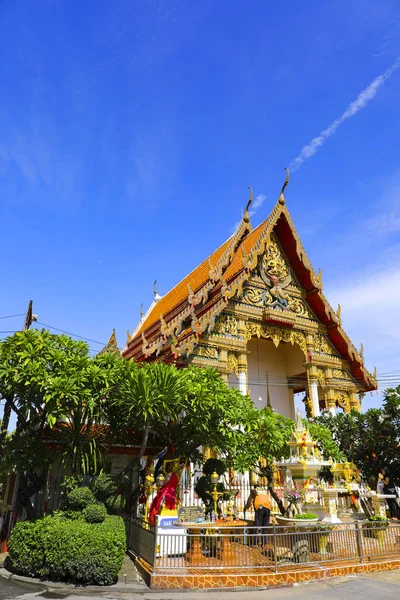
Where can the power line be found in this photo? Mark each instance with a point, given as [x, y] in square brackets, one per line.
[73, 334]
[12, 316]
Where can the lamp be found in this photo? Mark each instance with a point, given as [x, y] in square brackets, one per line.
[214, 478]
[214, 494]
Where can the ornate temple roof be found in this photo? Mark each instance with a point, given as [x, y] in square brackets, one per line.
[172, 327]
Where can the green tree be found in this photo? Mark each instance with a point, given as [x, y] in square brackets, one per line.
[371, 439]
[51, 382]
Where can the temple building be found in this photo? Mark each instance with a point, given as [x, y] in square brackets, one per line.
[255, 310]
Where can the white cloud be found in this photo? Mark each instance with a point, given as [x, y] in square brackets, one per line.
[370, 316]
[258, 202]
[362, 100]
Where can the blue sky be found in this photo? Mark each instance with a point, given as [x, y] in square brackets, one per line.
[131, 130]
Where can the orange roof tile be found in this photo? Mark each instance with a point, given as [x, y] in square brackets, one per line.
[174, 297]
[247, 244]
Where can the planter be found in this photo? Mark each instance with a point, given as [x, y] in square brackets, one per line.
[293, 522]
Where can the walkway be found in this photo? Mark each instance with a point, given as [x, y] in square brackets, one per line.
[382, 586]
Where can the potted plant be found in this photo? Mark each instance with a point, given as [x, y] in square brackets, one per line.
[299, 520]
[294, 515]
[376, 527]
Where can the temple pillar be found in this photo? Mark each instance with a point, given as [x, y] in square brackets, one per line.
[242, 373]
[313, 389]
[354, 403]
[331, 401]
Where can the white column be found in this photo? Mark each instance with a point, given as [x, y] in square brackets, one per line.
[242, 376]
[332, 409]
[314, 398]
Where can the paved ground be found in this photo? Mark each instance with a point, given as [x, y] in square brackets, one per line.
[9, 590]
[380, 586]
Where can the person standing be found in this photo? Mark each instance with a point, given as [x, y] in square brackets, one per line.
[390, 488]
[261, 501]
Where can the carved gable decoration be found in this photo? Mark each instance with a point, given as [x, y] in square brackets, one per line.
[273, 284]
[226, 324]
[323, 346]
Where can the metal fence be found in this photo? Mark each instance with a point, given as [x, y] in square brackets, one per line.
[272, 548]
[141, 539]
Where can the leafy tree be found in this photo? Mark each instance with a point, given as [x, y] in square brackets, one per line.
[264, 437]
[371, 439]
[211, 415]
[50, 381]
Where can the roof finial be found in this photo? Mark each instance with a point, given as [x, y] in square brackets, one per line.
[155, 288]
[246, 216]
[141, 311]
[281, 198]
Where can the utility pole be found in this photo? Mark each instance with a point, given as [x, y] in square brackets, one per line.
[29, 317]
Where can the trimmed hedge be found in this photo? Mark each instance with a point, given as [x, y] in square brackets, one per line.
[66, 550]
[95, 513]
[79, 498]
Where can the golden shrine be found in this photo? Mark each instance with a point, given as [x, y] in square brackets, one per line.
[255, 310]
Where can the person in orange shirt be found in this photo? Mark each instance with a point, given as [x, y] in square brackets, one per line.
[261, 500]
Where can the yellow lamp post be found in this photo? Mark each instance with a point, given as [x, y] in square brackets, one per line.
[215, 494]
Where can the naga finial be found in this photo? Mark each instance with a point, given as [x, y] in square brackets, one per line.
[339, 314]
[375, 375]
[155, 288]
[319, 278]
[281, 198]
[141, 311]
[246, 216]
[362, 352]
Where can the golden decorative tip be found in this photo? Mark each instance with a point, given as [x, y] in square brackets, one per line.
[281, 198]
[319, 278]
[339, 314]
[362, 352]
[246, 216]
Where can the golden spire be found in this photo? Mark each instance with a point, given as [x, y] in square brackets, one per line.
[246, 216]
[128, 336]
[111, 345]
[281, 198]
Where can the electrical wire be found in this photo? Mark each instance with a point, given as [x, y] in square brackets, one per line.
[12, 316]
[73, 334]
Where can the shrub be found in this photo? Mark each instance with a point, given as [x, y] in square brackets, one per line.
[306, 516]
[80, 498]
[103, 487]
[65, 550]
[95, 513]
[115, 505]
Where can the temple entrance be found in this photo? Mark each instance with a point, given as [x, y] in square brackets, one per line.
[274, 374]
